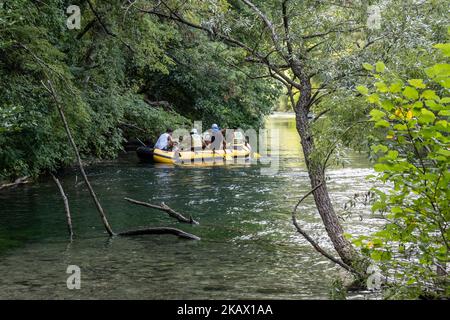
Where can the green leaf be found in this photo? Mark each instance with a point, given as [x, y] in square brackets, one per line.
[392, 155]
[411, 93]
[382, 124]
[379, 147]
[381, 87]
[438, 70]
[400, 127]
[363, 90]
[373, 98]
[429, 95]
[379, 67]
[380, 167]
[376, 114]
[367, 66]
[376, 255]
[418, 83]
[387, 105]
[445, 113]
[426, 116]
[396, 87]
[444, 152]
[444, 48]
[433, 105]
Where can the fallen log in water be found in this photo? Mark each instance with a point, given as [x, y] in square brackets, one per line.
[159, 230]
[17, 182]
[163, 207]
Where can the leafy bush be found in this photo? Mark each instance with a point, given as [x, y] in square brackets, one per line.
[411, 118]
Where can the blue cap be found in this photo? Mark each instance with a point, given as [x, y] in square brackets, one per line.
[215, 127]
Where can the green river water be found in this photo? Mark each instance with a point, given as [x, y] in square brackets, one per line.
[248, 248]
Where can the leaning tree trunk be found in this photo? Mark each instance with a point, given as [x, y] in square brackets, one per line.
[316, 173]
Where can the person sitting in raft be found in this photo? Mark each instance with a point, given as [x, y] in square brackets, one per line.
[192, 142]
[197, 143]
[165, 141]
[247, 144]
[217, 140]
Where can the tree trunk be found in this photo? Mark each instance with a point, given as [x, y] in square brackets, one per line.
[316, 173]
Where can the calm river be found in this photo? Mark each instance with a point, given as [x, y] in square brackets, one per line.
[248, 248]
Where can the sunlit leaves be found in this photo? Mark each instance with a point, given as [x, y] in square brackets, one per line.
[362, 89]
[414, 159]
[379, 66]
[367, 66]
[429, 95]
[417, 83]
[377, 114]
[444, 48]
[426, 116]
[410, 93]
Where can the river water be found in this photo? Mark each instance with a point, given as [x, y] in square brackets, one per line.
[248, 248]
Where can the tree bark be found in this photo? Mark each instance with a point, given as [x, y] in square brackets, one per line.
[316, 174]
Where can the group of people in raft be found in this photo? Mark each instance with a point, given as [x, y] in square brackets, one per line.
[213, 139]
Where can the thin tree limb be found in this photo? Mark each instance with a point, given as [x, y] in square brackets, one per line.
[55, 97]
[66, 205]
[107, 31]
[163, 207]
[309, 239]
[269, 25]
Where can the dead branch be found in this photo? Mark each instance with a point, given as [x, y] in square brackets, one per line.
[16, 182]
[163, 207]
[159, 230]
[66, 205]
[53, 93]
[162, 103]
[310, 240]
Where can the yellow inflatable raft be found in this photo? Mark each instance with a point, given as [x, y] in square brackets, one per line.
[235, 155]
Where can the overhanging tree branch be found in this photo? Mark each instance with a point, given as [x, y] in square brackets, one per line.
[269, 25]
[258, 57]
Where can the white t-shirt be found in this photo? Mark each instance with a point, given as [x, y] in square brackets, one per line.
[162, 142]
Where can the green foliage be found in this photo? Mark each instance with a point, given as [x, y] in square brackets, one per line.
[206, 84]
[413, 148]
[103, 74]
